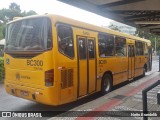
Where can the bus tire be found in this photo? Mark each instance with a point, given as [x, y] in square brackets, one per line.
[106, 85]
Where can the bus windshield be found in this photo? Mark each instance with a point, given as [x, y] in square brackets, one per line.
[29, 35]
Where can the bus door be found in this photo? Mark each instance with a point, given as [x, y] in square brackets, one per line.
[131, 61]
[91, 65]
[86, 65]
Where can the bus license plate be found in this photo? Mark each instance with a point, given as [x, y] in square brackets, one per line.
[24, 93]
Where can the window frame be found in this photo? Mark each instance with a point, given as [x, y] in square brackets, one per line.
[31, 51]
[68, 26]
[140, 47]
[125, 45]
[85, 42]
[145, 49]
[106, 34]
[131, 54]
[94, 48]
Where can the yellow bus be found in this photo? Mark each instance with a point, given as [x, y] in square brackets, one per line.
[55, 60]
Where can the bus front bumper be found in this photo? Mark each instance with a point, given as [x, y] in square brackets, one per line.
[38, 95]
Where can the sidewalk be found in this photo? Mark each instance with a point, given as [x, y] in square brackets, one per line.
[126, 98]
[155, 57]
[1, 88]
[1, 81]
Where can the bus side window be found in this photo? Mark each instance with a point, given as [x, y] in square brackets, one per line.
[49, 37]
[102, 45]
[139, 48]
[145, 49]
[110, 45]
[65, 40]
[120, 46]
[106, 45]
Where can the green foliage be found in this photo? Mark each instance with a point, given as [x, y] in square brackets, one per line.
[14, 10]
[15, 7]
[7, 14]
[2, 29]
[1, 69]
[114, 27]
[143, 34]
[31, 12]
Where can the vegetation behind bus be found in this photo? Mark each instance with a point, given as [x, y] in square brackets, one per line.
[7, 14]
[143, 34]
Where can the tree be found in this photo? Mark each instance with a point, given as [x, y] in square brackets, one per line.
[114, 27]
[2, 28]
[31, 12]
[14, 7]
[14, 10]
[7, 15]
[152, 37]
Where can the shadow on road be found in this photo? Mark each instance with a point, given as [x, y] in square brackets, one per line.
[66, 107]
[57, 109]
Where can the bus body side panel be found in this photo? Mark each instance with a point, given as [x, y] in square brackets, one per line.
[66, 74]
[116, 65]
[139, 65]
[140, 59]
[120, 70]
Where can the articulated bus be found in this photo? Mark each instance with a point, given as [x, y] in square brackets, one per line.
[55, 60]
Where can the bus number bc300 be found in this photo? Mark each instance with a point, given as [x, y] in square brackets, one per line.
[35, 62]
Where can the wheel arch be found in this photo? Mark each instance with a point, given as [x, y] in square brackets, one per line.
[110, 73]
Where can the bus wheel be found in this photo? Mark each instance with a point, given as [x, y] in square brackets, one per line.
[106, 84]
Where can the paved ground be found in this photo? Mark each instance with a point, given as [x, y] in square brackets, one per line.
[124, 98]
[128, 97]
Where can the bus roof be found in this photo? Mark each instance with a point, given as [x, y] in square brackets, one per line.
[58, 18]
[95, 28]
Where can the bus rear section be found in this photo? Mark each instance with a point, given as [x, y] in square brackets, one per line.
[29, 63]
